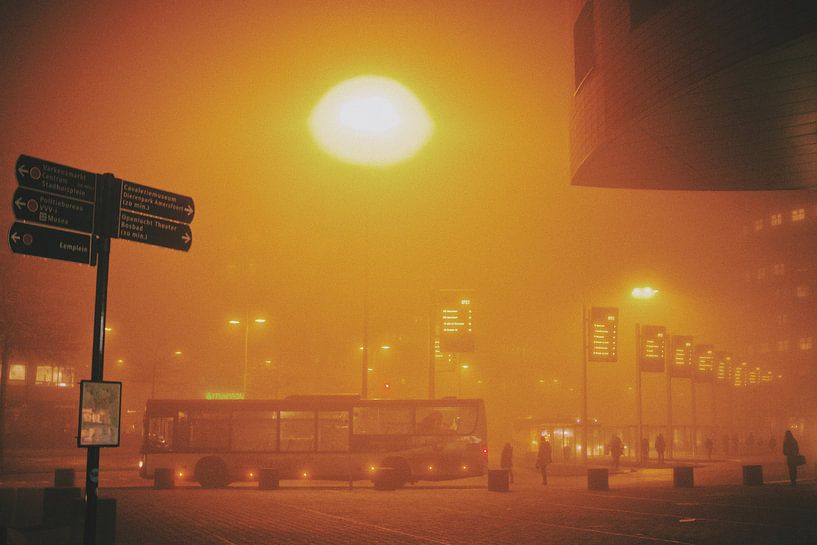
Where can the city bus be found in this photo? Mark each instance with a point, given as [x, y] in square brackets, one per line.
[331, 437]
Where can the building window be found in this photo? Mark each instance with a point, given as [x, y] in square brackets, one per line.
[803, 291]
[760, 274]
[781, 319]
[641, 10]
[764, 348]
[17, 372]
[805, 343]
[776, 219]
[44, 374]
[584, 44]
[779, 269]
[798, 214]
[758, 225]
[782, 346]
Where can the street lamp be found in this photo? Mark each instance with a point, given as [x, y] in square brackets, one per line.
[643, 292]
[370, 121]
[256, 321]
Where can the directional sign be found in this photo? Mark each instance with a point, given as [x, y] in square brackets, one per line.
[30, 239]
[155, 202]
[55, 178]
[31, 205]
[156, 231]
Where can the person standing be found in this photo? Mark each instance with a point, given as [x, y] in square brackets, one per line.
[506, 460]
[660, 445]
[543, 458]
[709, 445]
[616, 450]
[791, 450]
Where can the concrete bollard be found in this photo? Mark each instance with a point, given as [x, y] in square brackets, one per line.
[597, 478]
[7, 500]
[268, 479]
[498, 480]
[682, 477]
[163, 478]
[64, 477]
[753, 475]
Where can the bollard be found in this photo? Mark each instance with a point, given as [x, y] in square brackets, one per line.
[7, 500]
[268, 479]
[498, 480]
[753, 475]
[64, 477]
[597, 478]
[57, 504]
[682, 477]
[163, 478]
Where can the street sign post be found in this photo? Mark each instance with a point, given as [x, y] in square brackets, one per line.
[28, 239]
[95, 207]
[48, 209]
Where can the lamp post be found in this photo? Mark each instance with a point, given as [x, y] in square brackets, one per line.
[256, 321]
[645, 292]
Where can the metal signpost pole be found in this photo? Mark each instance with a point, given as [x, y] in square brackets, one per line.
[103, 242]
[584, 383]
[639, 407]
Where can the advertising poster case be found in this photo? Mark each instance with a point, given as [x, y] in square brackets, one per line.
[100, 407]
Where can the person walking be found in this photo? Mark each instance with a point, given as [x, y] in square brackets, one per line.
[791, 450]
[616, 449]
[709, 446]
[660, 446]
[506, 460]
[543, 458]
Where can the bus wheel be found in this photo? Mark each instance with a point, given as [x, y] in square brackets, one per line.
[211, 472]
[394, 473]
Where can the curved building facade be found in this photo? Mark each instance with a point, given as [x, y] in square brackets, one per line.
[694, 94]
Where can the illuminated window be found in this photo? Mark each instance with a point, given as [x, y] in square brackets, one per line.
[782, 346]
[758, 225]
[44, 374]
[779, 269]
[803, 291]
[798, 214]
[805, 343]
[17, 372]
[584, 44]
[297, 431]
[777, 219]
[760, 274]
[781, 319]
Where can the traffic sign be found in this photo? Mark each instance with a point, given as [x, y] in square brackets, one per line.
[155, 202]
[28, 239]
[54, 178]
[31, 205]
[156, 231]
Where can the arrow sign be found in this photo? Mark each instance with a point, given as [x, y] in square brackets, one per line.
[54, 178]
[31, 205]
[156, 202]
[39, 241]
[156, 231]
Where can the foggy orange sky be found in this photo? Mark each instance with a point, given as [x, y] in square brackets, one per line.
[211, 100]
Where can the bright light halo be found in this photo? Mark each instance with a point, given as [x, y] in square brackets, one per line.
[370, 120]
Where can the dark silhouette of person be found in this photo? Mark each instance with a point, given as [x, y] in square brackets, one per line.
[791, 450]
[772, 444]
[543, 458]
[645, 450]
[616, 449]
[506, 460]
[660, 446]
[709, 445]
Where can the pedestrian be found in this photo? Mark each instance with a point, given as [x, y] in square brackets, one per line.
[543, 458]
[791, 450]
[709, 445]
[616, 449]
[772, 444]
[645, 450]
[506, 460]
[660, 445]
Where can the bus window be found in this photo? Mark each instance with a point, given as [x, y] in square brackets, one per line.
[297, 431]
[382, 421]
[460, 420]
[160, 434]
[333, 431]
[209, 430]
[254, 431]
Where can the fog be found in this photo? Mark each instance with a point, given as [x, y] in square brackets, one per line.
[211, 100]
